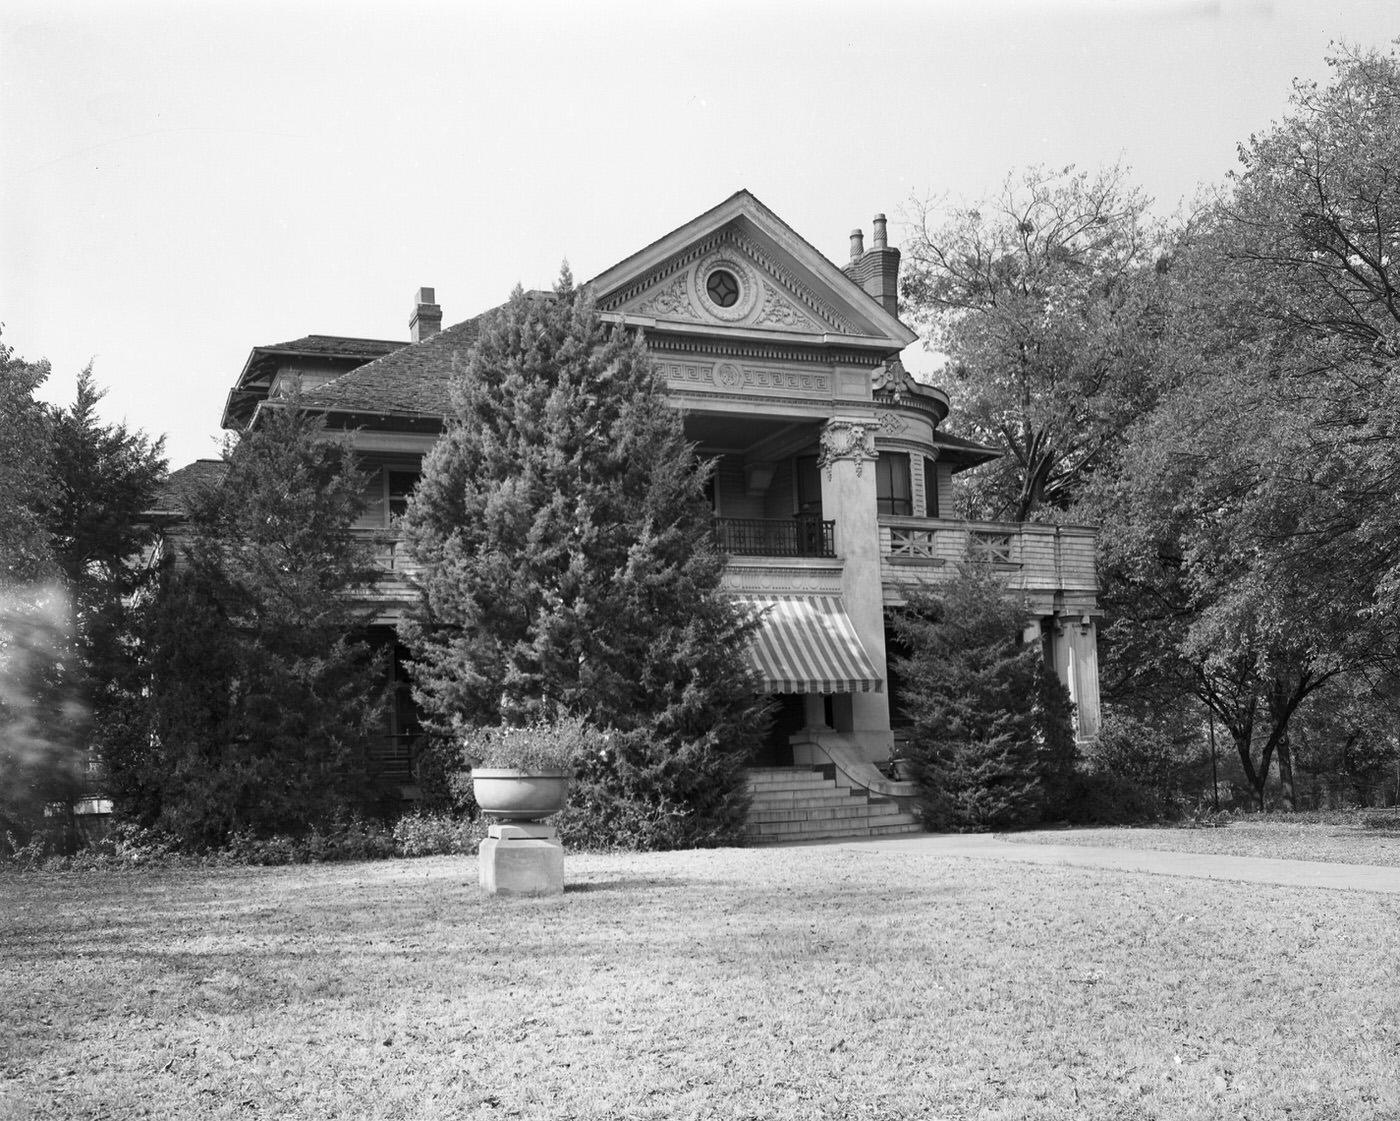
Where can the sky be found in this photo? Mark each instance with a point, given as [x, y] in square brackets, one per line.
[181, 182]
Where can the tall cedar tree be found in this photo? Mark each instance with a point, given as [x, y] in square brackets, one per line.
[971, 693]
[569, 568]
[72, 490]
[262, 701]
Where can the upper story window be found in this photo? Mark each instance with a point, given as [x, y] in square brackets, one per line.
[386, 496]
[809, 486]
[892, 489]
[930, 488]
[398, 485]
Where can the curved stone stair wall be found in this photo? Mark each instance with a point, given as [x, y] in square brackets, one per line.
[793, 804]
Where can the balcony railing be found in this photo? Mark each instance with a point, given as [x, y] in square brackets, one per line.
[802, 536]
[391, 759]
[1039, 556]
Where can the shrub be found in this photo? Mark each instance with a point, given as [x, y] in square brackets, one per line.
[1138, 770]
[437, 834]
[348, 839]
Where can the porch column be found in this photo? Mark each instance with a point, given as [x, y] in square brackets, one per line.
[1084, 657]
[847, 465]
[1076, 658]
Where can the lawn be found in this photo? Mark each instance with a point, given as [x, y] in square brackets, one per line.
[1341, 838]
[814, 982]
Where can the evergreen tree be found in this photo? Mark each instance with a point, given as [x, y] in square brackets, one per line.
[71, 493]
[104, 478]
[25, 485]
[971, 695]
[1057, 754]
[261, 702]
[570, 569]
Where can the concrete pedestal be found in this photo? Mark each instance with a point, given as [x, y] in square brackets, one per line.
[522, 859]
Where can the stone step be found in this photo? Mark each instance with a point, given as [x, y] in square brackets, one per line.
[793, 805]
[791, 779]
[801, 824]
[864, 811]
[805, 801]
[793, 788]
[792, 833]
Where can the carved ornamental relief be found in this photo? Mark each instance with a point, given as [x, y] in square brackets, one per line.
[778, 311]
[846, 439]
[754, 291]
[670, 302]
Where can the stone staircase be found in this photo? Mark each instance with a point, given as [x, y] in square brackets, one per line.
[792, 804]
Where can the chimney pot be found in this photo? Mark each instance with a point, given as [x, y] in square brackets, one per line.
[857, 244]
[877, 233]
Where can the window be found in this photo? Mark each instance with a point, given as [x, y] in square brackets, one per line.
[892, 483]
[398, 486]
[809, 486]
[930, 488]
[386, 496]
[723, 288]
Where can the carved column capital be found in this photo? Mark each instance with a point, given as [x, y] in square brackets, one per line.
[847, 439]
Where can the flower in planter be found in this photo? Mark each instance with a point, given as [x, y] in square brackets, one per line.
[559, 744]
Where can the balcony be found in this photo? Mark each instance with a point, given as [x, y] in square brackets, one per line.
[1041, 560]
[802, 536]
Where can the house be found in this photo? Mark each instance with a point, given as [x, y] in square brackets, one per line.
[832, 493]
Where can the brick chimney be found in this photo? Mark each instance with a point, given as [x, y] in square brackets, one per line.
[876, 269]
[427, 317]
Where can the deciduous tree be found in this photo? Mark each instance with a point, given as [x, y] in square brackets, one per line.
[1250, 529]
[1042, 300]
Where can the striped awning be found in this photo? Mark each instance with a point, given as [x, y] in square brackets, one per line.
[806, 644]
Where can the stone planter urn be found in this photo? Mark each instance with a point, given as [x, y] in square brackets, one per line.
[521, 855]
[509, 794]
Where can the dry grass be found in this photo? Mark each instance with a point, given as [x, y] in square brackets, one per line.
[787, 984]
[1340, 842]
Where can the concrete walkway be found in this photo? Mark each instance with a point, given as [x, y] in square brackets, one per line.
[1243, 869]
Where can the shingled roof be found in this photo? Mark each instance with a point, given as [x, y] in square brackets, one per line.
[414, 380]
[328, 352]
[179, 487]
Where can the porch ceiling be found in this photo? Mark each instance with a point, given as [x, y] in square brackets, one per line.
[733, 433]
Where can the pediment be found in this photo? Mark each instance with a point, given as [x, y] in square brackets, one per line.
[739, 266]
[692, 286]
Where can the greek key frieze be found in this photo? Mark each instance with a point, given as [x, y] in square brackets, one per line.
[734, 378]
